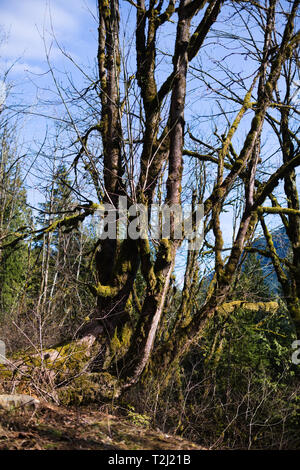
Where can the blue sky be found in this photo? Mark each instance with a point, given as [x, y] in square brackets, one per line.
[27, 28]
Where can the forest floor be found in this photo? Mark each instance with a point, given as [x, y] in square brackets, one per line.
[58, 428]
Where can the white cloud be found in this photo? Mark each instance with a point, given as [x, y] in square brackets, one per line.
[27, 22]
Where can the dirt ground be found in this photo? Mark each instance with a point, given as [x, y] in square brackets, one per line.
[59, 428]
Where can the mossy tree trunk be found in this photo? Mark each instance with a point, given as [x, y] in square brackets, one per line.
[117, 261]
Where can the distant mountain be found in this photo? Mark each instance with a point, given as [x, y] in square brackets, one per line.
[281, 243]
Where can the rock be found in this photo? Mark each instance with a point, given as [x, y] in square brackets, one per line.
[9, 402]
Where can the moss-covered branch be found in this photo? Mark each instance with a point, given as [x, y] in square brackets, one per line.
[230, 307]
[277, 210]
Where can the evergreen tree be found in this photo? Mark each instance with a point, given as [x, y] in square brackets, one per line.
[14, 214]
[59, 280]
[251, 285]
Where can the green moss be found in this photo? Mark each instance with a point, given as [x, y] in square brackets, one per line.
[5, 372]
[115, 343]
[82, 390]
[269, 89]
[146, 264]
[256, 122]
[166, 246]
[186, 318]
[129, 305]
[295, 313]
[105, 10]
[105, 291]
[66, 365]
[138, 419]
[277, 210]
[126, 266]
[119, 345]
[95, 206]
[126, 335]
[229, 307]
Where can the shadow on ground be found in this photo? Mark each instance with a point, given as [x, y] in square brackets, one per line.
[53, 427]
